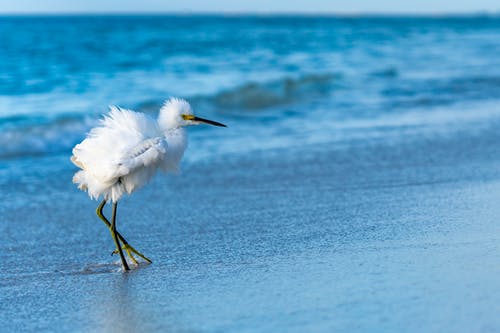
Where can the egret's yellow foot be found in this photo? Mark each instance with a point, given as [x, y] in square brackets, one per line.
[129, 249]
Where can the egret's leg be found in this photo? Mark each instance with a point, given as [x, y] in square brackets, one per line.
[115, 238]
[126, 246]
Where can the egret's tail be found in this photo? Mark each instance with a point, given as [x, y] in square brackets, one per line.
[79, 179]
[95, 188]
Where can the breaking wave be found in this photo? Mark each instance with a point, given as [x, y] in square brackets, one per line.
[55, 136]
[256, 96]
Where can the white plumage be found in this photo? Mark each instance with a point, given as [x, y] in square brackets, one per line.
[125, 151]
[128, 147]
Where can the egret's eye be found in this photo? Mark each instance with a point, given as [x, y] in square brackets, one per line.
[187, 117]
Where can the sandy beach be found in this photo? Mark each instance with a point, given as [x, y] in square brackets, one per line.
[360, 236]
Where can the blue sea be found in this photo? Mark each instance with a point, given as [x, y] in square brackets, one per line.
[291, 80]
[355, 189]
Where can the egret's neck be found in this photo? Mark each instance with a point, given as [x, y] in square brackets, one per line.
[176, 136]
[179, 131]
[176, 141]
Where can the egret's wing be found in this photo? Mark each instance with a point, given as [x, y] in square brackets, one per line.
[150, 152]
[139, 164]
[120, 132]
[132, 170]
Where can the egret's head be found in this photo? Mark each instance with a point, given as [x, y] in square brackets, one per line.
[177, 112]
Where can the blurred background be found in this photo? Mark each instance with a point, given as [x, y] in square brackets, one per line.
[286, 78]
[356, 188]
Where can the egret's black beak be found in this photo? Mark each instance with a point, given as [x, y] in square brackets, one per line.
[210, 122]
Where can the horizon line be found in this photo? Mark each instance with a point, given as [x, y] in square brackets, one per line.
[258, 13]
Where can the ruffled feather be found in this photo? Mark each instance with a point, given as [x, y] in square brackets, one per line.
[120, 155]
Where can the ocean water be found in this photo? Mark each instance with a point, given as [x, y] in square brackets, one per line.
[356, 188]
[288, 79]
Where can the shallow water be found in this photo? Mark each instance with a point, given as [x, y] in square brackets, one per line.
[349, 193]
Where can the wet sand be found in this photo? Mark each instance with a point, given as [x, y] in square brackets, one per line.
[358, 236]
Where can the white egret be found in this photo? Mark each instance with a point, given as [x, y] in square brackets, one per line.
[125, 151]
